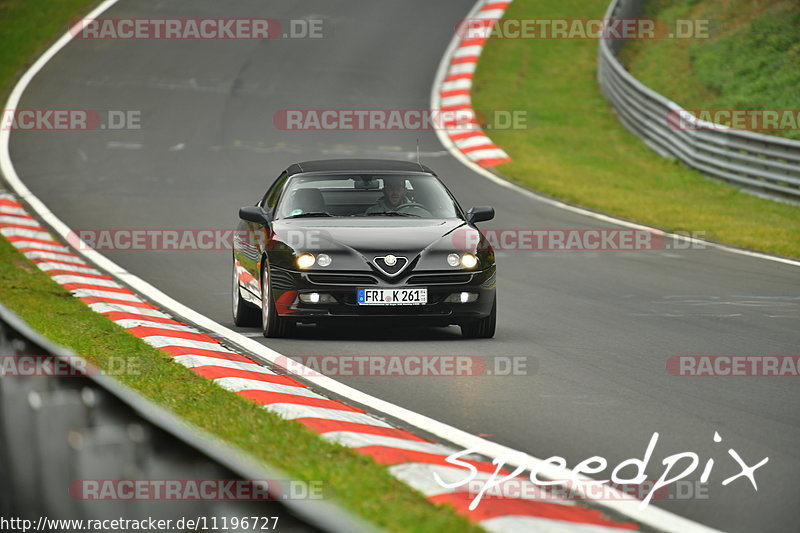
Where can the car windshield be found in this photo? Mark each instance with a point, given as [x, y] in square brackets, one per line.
[366, 195]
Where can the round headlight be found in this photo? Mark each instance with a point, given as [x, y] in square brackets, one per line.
[469, 261]
[453, 260]
[305, 260]
[323, 260]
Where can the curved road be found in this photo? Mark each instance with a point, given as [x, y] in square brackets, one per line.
[596, 328]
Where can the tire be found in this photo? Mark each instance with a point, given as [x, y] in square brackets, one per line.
[483, 328]
[272, 325]
[245, 314]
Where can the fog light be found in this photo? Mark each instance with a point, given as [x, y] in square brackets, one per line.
[317, 298]
[469, 260]
[305, 261]
[462, 297]
[453, 260]
[323, 260]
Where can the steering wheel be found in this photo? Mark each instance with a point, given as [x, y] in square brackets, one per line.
[414, 205]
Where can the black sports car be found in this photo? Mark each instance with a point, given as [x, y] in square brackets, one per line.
[362, 240]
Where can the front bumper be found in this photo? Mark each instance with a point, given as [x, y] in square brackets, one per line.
[287, 285]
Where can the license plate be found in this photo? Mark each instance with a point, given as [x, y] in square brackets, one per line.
[392, 296]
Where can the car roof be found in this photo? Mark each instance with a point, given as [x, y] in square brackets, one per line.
[357, 165]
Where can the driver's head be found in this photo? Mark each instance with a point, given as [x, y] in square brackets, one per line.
[394, 190]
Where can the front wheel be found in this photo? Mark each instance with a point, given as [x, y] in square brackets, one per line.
[483, 328]
[272, 325]
[245, 314]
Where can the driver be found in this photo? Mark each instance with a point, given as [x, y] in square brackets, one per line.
[394, 195]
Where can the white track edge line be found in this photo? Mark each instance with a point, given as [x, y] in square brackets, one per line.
[650, 515]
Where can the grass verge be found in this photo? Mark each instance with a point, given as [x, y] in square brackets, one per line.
[575, 148]
[751, 59]
[356, 481]
[26, 28]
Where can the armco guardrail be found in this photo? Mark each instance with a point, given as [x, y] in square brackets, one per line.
[763, 164]
[56, 430]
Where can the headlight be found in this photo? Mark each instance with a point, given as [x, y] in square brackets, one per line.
[305, 260]
[453, 260]
[469, 260]
[323, 260]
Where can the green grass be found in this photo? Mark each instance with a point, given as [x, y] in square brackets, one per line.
[28, 26]
[751, 59]
[355, 480]
[576, 149]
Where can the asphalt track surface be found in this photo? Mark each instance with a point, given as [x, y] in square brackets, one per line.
[596, 328]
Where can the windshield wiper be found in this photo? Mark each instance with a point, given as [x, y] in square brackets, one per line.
[311, 214]
[391, 214]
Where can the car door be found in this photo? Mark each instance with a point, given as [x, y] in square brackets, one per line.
[252, 239]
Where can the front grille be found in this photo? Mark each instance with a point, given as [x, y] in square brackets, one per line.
[281, 279]
[393, 270]
[440, 279]
[342, 279]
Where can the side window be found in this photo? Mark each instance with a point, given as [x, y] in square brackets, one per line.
[271, 198]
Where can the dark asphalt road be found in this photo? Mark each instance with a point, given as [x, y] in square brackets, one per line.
[597, 327]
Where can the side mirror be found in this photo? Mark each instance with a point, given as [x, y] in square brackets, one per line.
[480, 213]
[254, 214]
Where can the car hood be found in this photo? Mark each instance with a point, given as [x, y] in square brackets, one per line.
[366, 236]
